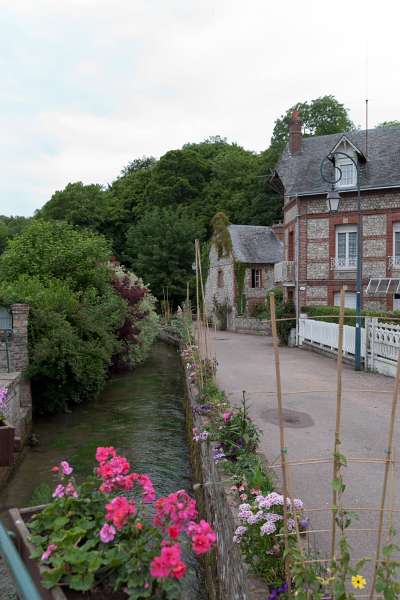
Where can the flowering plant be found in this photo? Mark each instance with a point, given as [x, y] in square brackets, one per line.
[237, 433]
[3, 396]
[259, 535]
[111, 533]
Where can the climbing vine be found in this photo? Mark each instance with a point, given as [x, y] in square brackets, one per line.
[240, 273]
[221, 237]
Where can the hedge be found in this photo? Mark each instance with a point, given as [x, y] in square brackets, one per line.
[324, 313]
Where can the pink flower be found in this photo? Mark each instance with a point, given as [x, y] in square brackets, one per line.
[179, 571]
[177, 509]
[55, 469]
[158, 568]
[47, 553]
[227, 416]
[70, 490]
[59, 491]
[107, 533]
[201, 544]
[202, 536]
[103, 454]
[169, 562]
[65, 468]
[119, 510]
[173, 532]
[243, 497]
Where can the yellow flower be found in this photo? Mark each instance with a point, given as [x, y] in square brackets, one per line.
[358, 582]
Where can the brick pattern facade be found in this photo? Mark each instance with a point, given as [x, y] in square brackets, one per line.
[317, 244]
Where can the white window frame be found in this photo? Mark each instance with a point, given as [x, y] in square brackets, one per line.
[346, 181]
[347, 262]
[395, 257]
[257, 278]
[350, 299]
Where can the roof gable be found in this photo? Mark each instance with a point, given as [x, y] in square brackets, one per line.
[255, 244]
[300, 173]
[344, 139]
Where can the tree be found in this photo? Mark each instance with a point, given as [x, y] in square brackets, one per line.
[321, 116]
[10, 227]
[389, 124]
[161, 248]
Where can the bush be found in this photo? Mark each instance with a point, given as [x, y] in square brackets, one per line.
[258, 310]
[324, 313]
[287, 313]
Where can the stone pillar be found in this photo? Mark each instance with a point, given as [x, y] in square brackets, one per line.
[19, 353]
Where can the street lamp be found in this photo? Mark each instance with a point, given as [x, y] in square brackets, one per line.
[333, 175]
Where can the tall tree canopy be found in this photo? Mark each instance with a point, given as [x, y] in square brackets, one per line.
[321, 116]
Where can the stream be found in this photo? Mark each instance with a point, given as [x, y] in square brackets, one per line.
[141, 414]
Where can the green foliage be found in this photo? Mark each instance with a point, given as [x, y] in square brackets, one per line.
[258, 310]
[387, 580]
[330, 314]
[221, 237]
[161, 247]
[389, 124]
[321, 116]
[285, 311]
[9, 228]
[222, 310]
[240, 274]
[238, 435]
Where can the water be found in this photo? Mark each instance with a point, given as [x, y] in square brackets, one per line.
[141, 414]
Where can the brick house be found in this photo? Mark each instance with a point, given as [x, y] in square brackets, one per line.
[320, 248]
[255, 251]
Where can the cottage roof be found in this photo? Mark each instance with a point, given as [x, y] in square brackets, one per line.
[255, 244]
[300, 173]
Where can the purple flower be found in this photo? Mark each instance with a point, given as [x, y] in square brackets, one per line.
[47, 553]
[65, 468]
[276, 592]
[107, 533]
[304, 523]
[59, 492]
[267, 528]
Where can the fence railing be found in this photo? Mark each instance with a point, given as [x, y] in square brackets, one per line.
[326, 336]
[380, 342]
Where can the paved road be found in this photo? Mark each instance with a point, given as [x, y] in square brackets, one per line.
[246, 363]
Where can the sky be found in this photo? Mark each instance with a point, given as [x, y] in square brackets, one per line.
[89, 85]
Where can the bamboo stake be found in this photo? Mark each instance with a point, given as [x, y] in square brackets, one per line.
[281, 437]
[203, 302]
[336, 468]
[386, 474]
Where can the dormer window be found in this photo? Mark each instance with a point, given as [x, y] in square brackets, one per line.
[349, 174]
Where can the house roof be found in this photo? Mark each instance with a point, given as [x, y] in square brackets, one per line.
[300, 173]
[255, 244]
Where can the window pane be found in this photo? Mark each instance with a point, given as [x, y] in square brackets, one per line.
[341, 245]
[352, 244]
[397, 243]
[347, 174]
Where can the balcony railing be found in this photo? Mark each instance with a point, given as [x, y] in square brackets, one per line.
[341, 264]
[284, 272]
[394, 262]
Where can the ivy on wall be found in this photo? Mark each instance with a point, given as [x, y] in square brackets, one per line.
[221, 237]
[240, 273]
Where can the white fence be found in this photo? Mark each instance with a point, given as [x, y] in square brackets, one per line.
[325, 336]
[380, 342]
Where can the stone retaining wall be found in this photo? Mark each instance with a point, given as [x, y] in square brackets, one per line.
[249, 324]
[226, 573]
[18, 407]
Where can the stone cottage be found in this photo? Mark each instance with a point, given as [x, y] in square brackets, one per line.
[321, 240]
[242, 277]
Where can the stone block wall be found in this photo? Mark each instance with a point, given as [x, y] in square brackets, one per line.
[18, 408]
[224, 293]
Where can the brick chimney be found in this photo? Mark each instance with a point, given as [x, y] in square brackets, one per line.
[295, 137]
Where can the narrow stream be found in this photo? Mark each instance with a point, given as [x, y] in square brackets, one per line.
[141, 414]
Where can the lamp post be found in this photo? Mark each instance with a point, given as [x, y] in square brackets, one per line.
[333, 176]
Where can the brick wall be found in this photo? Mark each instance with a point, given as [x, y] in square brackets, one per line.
[380, 210]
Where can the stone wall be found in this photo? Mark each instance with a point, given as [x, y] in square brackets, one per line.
[17, 410]
[226, 292]
[249, 324]
[227, 575]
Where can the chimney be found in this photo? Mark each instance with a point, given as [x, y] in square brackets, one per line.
[295, 133]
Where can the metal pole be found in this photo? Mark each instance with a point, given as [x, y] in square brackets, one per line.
[23, 582]
[359, 276]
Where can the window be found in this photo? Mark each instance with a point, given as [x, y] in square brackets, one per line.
[348, 175]
[291, 245]
[349, 299]
[396, 244]
[220, 279]
[256, 278]
[346, 247]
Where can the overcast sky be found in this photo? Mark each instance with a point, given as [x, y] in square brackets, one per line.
[88, 85]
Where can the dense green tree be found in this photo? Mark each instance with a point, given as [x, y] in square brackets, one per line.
[161, 248]
[10, 227]
[321, 116]
[389, 124]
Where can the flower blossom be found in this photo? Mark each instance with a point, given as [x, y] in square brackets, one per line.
[267, 528]
[168, 563]
[59, 492]
[49, 551]
[70, 490]
[119, 510]
[203, 536]
[103, 454]
[107, 533]
[65, 468]
[227, 416]
[177, 509]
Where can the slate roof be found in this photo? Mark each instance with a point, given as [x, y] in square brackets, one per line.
[300, 173]
[255, 244]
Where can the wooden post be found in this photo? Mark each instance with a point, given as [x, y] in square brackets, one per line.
[281, 437]
[338, 419]
[388, 460]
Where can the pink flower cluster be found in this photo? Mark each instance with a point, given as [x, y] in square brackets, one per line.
[114, 471]
[65, 490]
[203, 537]
[169, 563]
[177, 509]
[119, 510]
[49, 551]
